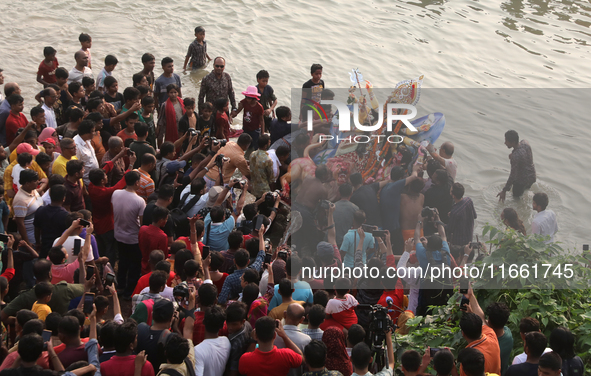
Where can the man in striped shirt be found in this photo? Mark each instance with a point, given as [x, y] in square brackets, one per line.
[148, 164]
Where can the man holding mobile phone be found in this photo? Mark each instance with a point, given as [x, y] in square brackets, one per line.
[69, 237]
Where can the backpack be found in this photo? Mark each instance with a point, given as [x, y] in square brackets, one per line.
[174, 372]
[143, 336]
[179, 215]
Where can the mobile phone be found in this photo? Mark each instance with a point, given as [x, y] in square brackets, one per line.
[109, 279]
[367, 228]
[464, 284]
[46, 335]
[129, 152]
[585, 247]
[88, 302]
[205, 252]
[89, 272]
[77, 245]
[84, 223]
[464, 303]
[379, 233]
[434, 350]
[268, 258]
[4, 238]
[259, 222]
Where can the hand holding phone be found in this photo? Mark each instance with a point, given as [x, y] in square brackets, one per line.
[205, 252]
[77, 246]
[88, 303]
[109, 279]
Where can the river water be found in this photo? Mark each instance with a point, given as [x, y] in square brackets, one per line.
[460, 44]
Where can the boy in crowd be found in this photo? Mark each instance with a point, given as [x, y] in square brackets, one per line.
[315, 85]
[150, 335]
[498, 315]
[112, 94]
[149, 62]
[533, 346]
[197, 55]
[16, 119]
[267, 359]
[206, 121]
[152, 237]
[212, 354]
[267, 98]
[239, 332]
[123, 362]
[280, 127]
[315, 357]
[110, 64]
[550, 365]
[85, 44]
[410, 362]
[47, 68]
[253, 120]
[43, 291]
[443, 362]
[361, 358]
[147, 116]
[165, 79]
[316, 317]
[342, 307]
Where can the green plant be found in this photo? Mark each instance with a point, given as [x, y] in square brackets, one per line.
[532, 297]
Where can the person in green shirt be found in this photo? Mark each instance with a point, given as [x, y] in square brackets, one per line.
[63, 292]
[498, 315]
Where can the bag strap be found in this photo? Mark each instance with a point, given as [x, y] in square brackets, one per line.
[191, 202]
[149, 303]
[208, 230]
[190, 367]
[171, 372]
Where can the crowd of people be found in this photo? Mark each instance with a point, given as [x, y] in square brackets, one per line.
[141, 239]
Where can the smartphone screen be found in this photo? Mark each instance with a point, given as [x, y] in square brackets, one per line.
[88, 302]
[77, 245]
[89, 272]
[259, 222]
[46, 335]
[205, 251]
[109, 279]
[268, 258]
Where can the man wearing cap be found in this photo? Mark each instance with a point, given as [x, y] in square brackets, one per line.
[84, 150]
[217, 84]
[49, 98]
[172, 168]
[234, 151]
[68, 147]
[115, 146]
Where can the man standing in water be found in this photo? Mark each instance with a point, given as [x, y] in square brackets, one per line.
[217, 84]
[523, 171]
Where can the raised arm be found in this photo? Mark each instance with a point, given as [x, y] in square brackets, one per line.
[331, 234]
[474, 306]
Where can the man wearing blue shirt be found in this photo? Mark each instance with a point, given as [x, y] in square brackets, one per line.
[216, 228]
[302, 290]
[433, 252]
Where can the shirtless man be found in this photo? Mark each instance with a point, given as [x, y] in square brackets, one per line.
[299, 169]
[411, 205]
[307, 202]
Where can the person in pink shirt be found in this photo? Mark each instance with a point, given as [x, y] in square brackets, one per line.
[60, 271]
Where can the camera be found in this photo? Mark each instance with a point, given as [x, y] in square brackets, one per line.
[267, 244]
[282, 254]
[324, 204]
[194, 132]
[379, 324]
[219, 160]
[428, 212]
[180, 292]
[216, 142]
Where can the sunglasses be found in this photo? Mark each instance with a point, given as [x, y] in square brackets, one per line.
[220, 66]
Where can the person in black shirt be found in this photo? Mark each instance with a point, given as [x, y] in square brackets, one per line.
[439, 196]
[366, 198]
[50, 220]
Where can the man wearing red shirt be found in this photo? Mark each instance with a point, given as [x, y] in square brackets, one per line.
[102, 209]
[123, 362]
[267, 359]
[156, 256]
[16, 119]
[152, 237]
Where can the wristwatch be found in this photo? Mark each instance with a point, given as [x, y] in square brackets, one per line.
[206, 168]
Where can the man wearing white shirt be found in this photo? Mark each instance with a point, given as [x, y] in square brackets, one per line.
[545, 222]
[81, 68]
[84, 150]
[212, 354]
[278, 157]
[70, 241]
[49, 98]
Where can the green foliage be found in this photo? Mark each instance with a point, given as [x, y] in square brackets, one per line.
[532, 297]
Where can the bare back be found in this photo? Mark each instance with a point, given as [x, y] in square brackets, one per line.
[410, 208]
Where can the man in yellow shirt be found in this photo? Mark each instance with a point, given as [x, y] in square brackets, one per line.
[43, 292]
[9, 192]
[68, 147]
